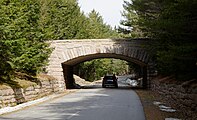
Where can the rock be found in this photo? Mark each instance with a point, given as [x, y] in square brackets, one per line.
[172, 119]
[157, 103]
[168, 110]
[164, 107]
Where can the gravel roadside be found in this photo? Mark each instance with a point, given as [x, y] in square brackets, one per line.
[153, 112]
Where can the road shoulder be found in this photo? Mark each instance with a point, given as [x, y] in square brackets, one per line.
[152, 112]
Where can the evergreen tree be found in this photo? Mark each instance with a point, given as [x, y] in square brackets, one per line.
[21, 36]
[97, 28]
[130, 22]
[168, 23]
[26, 25]
[61, 19]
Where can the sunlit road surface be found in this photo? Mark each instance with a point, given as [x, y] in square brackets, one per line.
[91, 103]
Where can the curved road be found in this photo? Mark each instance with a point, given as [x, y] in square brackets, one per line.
[92, 103]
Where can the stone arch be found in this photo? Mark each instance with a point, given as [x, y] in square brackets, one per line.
[68, 53]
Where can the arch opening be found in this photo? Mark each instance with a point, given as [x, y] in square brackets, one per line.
[84, 58]
[68, 66]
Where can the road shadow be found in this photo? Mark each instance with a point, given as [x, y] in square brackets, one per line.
[100, 87]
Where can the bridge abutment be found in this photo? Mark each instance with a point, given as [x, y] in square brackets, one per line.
[145, 80]
[68, 76]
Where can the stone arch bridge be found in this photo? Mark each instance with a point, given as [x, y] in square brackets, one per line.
[68, 53]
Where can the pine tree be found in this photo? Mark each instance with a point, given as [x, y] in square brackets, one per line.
[97, 28]
[168, 23]
[21, 35]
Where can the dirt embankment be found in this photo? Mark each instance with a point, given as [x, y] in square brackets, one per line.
[173, 94]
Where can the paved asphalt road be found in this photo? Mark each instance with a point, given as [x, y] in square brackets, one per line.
[92, 103]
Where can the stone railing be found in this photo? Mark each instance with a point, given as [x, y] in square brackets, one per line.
[182, 96]
[13, 96]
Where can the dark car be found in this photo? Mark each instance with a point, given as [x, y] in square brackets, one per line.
[110, 81]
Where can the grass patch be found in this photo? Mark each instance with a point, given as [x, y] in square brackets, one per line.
[45, 77]
[2, 87]
[17, 83]
[24, 83]
[22, 80]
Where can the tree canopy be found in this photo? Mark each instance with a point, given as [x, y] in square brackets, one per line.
[25, 26]
[22, 47]
[172, 25]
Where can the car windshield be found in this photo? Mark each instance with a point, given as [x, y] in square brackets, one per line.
[109, 77]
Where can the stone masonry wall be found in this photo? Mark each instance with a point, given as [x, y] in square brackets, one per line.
[182, 96]
[13, 96]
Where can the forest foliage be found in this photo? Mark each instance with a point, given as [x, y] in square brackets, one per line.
[26, 25]
[172, 27]
[95, 69]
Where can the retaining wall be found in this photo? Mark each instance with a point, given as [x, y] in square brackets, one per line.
[182, 95]
[13, 96]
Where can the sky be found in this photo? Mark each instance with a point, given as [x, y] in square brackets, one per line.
[110, 10]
